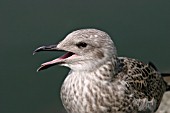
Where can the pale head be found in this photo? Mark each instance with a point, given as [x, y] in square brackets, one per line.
[88, 49]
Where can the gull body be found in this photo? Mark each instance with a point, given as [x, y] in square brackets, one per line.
[101, 82]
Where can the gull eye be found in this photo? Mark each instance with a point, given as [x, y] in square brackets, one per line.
[81, 45]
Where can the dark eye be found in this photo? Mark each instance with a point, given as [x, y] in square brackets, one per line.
[81, 45]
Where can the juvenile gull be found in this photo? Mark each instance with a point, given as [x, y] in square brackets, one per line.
[102, 82]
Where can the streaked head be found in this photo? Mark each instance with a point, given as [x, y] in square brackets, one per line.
[87, 49]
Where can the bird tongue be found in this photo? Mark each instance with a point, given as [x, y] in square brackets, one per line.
[55, 61]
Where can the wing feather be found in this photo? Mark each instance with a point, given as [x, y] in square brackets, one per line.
[144, 81]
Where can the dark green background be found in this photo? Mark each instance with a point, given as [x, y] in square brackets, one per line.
[140, 29]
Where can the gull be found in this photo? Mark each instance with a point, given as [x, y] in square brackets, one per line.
[102, 82]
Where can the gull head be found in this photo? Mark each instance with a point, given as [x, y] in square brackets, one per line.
[87, 49]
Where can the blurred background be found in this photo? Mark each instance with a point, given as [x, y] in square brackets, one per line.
[140, 29]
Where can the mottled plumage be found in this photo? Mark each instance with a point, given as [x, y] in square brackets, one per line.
[102, 82]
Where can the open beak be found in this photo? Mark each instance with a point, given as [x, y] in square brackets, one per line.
[56, 61]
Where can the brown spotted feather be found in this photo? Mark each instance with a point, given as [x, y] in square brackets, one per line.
[144, 81]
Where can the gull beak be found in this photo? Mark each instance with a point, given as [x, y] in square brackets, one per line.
[60, 60]
[46, 48]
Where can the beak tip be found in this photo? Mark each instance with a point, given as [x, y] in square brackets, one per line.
[39, 69]
[37, 50]
[33, 53]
